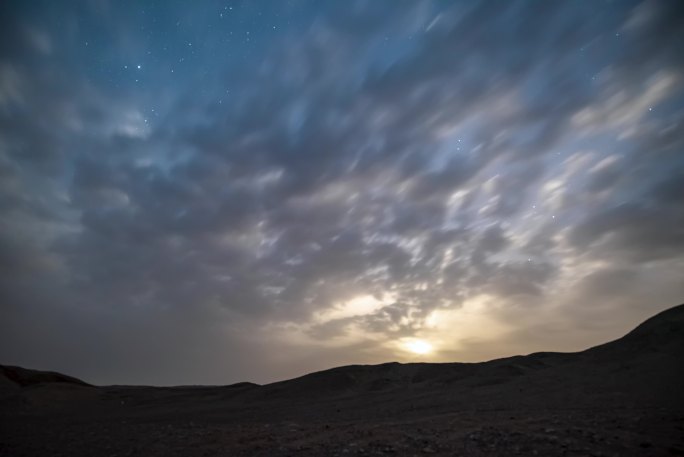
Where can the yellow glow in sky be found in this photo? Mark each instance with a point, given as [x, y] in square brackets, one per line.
[358, 306]
[418, 346]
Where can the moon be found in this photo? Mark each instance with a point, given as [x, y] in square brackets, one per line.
[420, 347]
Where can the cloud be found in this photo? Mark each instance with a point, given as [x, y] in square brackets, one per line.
[343, 186]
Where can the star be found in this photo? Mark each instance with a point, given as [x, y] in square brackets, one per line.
[139, 66]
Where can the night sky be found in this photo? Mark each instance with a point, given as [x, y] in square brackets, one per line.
[215, 191]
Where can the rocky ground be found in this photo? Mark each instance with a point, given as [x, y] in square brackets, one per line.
[482, 433]
[624, 398]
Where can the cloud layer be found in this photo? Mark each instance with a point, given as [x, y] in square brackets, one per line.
[242, 191]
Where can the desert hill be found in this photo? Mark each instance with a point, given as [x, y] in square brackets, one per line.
[24, 377]
[624, 397]
[650, 353]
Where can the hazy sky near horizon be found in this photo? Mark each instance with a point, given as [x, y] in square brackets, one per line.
[219, 191]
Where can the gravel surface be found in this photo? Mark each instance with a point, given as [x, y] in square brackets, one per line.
[623, 398]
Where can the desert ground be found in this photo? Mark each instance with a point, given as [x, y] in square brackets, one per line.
[623, 398]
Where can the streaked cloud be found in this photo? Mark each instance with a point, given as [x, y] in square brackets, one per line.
[214, 193]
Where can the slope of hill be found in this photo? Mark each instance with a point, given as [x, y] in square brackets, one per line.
[25, 377]
[620, 398]
[650, 353]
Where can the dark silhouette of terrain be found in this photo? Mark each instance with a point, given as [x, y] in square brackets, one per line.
[23, 377]
[625, 397]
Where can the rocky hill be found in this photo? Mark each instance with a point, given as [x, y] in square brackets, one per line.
[624, 397]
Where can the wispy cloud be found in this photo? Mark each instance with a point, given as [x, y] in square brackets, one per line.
[204, 194]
